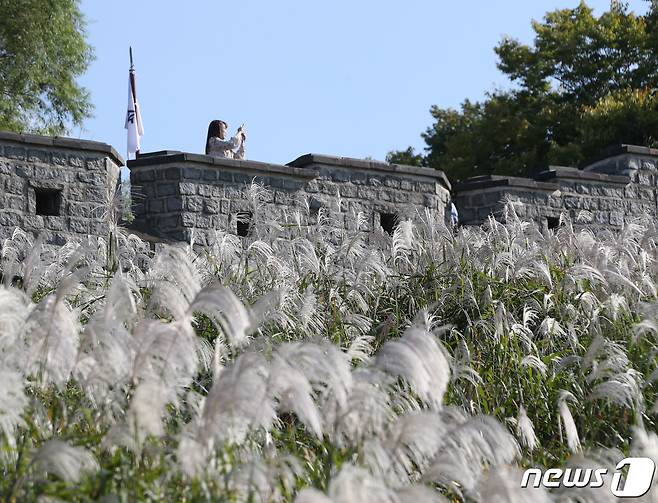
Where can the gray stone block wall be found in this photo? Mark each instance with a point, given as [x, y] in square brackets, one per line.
[55, 187]
[60, 188]
[603, 196]
[176, 195]
[624, 160]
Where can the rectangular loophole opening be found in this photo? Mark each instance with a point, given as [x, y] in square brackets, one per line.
[244, 223]
[48, 201]
[552, 222]
[389, 221]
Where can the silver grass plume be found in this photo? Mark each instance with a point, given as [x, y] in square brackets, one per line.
[402, 242]
[64, 461]
[166, 352]
[525, 430]
[573, 440]
[420, 360]
[352, 484]
[503, 485]
[583, 463]
[15, 307]
[361, 349]
[13, 401]
[324, 365]
[645, 444]
[267, 478]
[462, 366]
[237, 402]
[221, 305]
[623, 389]
[311, 495]
[470, 447]
[107, 347]
[532, 361]
[143, 418]
[406, 447]
[51, 334]
[175, 280]
[365, 414]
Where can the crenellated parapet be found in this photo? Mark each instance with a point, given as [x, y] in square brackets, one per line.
[179, 194]
[62, 188]
[57, 187]
[608, 192]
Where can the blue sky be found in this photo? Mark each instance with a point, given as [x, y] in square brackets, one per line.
[349, 78]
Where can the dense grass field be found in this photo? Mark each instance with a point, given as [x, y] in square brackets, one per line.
[306, 363]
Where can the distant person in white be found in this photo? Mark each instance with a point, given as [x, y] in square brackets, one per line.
[218, 146]
[454, 216]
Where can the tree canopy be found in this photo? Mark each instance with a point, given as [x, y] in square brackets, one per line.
[585, 83]
[42, 52]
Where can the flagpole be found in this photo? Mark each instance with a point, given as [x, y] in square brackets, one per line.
[133, 87]
[133, 117]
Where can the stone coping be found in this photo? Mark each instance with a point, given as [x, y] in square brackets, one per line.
[616, 150]
[153, 159]
[368, 165]
[487, 181]
[563, 172]
[63, 142]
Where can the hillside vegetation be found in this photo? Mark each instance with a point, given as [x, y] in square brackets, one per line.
[306, 363]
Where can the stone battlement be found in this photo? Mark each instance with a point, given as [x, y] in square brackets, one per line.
[56, 187]
[61, 188]
[179, 193]
[614, 189]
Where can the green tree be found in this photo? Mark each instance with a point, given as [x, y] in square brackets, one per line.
[42, 51]
[408, 157]
[585, 83]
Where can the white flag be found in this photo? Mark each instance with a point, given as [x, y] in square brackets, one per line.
[133, 121]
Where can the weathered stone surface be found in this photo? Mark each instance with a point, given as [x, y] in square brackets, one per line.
[186, 188]
[611, 189]
[213, 190]
[156, 205]
[174, 204]
[177, 193]
[42, 156]
[79, 225]
[12, 152]
[174, 174]
[166, 189]
[72, 175]
[211, 206]
[194, 203]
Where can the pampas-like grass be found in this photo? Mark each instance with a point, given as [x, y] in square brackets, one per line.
[503, 485]
[469, 448]
[573, 439]
[408, 445]
[52, 330]
[12, 401]
[421, 361]
[258, 367]
[107, 347]
[64, 461]
[525, 430]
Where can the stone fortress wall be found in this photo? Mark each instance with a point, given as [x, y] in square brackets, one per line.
[56, 187]
[619, 186]
[60, 188]
[176, 193]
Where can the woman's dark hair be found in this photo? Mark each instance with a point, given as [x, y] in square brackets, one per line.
[213, 130]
